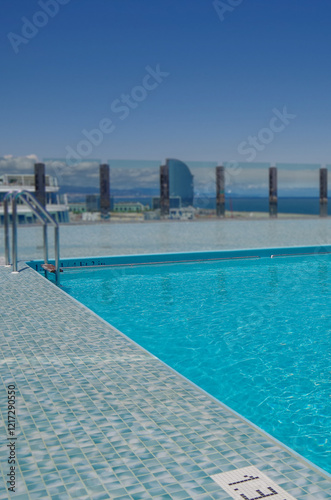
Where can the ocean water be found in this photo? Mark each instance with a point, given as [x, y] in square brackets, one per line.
[255, 335]
[304, 206]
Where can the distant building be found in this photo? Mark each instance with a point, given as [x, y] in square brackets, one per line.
[77, 207]
[129, 206]
[92, 203]
[180, 182]
[174, 202]
[187, 213]
[91, 217]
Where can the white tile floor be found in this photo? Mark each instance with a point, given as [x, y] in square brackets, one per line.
[249, 483]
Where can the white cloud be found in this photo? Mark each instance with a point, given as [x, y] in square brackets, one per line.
[17, 165]
[134, 178]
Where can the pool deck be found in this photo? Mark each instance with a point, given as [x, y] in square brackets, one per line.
[98, 417]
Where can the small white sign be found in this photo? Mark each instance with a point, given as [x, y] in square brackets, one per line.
[250, 484]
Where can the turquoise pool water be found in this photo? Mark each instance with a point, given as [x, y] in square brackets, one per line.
[253, 333]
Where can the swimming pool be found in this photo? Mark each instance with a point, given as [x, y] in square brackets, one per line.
[252, 331]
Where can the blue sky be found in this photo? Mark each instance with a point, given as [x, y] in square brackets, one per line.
[219, 83]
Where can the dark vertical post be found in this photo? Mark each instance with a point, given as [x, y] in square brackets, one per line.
[273, 200]
[104, 191]
[164, 190]
[323, 192]
[40, 183]
[220, 191]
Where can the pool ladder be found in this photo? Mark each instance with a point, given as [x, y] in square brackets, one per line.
[42, 215]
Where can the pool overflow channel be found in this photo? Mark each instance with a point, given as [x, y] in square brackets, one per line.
[42, 215]
[184, 257]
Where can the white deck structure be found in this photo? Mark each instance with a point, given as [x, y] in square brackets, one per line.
[56, 204]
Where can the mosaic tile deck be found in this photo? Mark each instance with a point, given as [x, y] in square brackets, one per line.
[97, 417]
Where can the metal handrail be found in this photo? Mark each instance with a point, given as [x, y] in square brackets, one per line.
[6, 200]
[44, 217]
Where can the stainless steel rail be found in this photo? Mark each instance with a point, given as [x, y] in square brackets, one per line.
[43, 216]
[6, 200]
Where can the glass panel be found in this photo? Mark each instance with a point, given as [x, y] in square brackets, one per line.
[298, 188]
[247, 186]
[134, 184]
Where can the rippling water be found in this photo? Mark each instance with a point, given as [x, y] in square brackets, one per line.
[255, 335]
